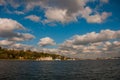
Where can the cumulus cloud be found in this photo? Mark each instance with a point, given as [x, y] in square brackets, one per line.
[93, 37]
[47, 41]
[56, 15]
[33, 18]
[8, 29]
[97, 18]
[93, 45]
[92, 51]
[9, 25]
[22, 37]
[20, 46]
[9, 32]
[5, 42]
[63, 11]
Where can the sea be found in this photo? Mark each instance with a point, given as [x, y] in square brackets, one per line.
[60, 70]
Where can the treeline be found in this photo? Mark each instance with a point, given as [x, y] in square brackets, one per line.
[21, 54]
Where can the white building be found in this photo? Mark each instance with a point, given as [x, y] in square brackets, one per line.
[44, 58]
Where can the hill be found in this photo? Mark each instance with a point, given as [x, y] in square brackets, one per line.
[28, 55]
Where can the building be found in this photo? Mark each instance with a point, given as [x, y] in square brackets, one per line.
[44, 59]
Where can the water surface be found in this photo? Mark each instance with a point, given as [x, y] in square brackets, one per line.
[60, 70]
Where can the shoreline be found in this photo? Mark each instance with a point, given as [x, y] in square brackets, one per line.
[56, 60]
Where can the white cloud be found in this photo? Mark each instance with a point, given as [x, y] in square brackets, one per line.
[20, 46]
[46, 42]
[56, 15]
[116, 43]
[9, 25]
[9, 32]
[93, 45]
[86, 12]
[5, 42]
[63, 11]
[93, 37]
[28, 36]
[33, 18]
[91, 51]
[96, 18]
[23, 37]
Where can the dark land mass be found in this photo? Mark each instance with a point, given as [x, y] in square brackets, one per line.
[27, 55]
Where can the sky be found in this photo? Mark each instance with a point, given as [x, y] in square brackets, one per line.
[85, 29]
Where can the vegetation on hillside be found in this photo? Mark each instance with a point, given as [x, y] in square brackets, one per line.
[21, 54]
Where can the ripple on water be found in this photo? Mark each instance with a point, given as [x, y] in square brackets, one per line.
[60, 70]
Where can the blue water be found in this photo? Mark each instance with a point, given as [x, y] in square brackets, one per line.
[60, 70]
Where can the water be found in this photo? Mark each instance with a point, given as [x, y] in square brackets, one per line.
[60, 70]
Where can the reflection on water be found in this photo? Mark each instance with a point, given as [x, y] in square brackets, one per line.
[60, 70]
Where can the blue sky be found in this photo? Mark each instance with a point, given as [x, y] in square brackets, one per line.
[55, 23]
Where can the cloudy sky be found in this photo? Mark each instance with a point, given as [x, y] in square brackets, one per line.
[75, 28]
